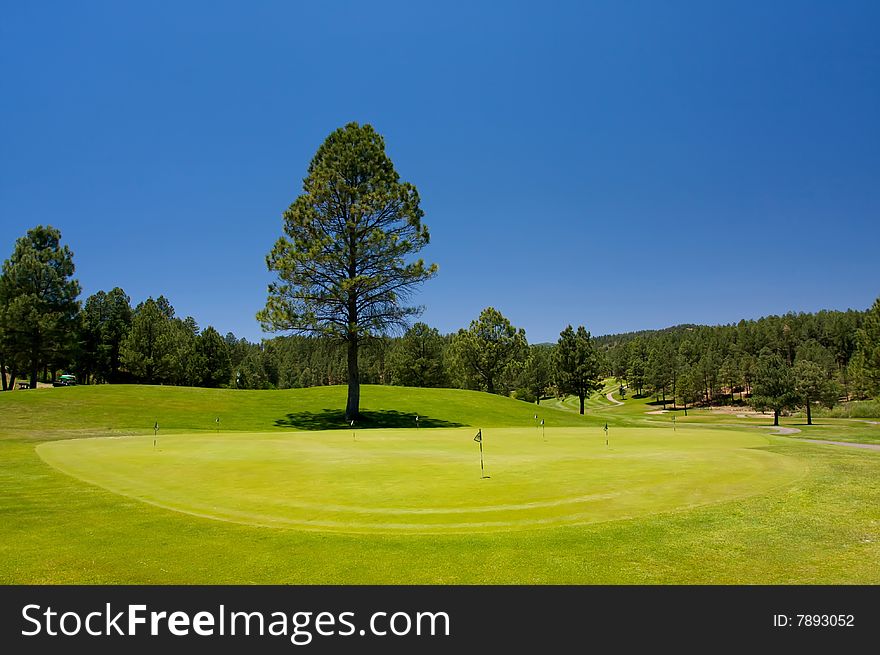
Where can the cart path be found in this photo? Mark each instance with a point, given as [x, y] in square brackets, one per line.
[851, 444]
[611, 398]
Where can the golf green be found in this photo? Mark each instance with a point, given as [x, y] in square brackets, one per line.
[429, 481]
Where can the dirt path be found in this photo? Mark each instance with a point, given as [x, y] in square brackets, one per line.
[611, 398]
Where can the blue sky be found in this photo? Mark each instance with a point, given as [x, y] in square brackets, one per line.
[621, 165]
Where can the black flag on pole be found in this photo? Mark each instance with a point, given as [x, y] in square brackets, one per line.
[479, 438]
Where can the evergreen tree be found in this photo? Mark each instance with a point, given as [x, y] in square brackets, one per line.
[576, 364]
[659, 371]
[483, 351]
[869, 349]
[215, 354]
[38, 300]
[813, 385]
[342, 262]
[105, 321]
[690, 386]
[730, 375]
[536, 378]
[417, 359]
[145, 351]
[774, 385]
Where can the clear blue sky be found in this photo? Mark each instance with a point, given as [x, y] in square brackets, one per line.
[622, 165]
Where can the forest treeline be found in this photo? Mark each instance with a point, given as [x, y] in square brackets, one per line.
[775, 362]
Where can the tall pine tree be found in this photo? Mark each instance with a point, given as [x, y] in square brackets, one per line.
[344, 263]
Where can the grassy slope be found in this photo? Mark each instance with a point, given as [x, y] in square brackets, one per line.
[824, 528]
[133, 409]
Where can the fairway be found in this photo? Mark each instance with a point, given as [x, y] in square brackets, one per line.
[400, 481]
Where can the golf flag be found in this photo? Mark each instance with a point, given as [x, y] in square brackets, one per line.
[479, 436]
[606, 427]
[156, 427]
[352, 422]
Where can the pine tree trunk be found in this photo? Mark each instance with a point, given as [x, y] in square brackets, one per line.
[3, 373]
[581, 398]
[352, 407]
[34, 370]
[775, 417]
[809, 416]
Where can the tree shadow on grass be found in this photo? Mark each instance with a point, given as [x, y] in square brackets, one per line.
[330, 419]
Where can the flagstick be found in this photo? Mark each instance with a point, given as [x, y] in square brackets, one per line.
[479, 439]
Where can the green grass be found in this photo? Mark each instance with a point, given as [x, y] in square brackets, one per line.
[134, 409]
[709, 503]
[400, 481]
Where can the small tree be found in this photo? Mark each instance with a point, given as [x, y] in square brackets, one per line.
[537, 374]
[773, 386]
[813, 385]
[185, 364]
[483, 351]
[38, 300]
[659, 372]
[341, 262]
[576, 364]
[214, 353]
[869, 349]
[146, 348]
[105, 322]
[417, 359]
[690, 387]
[729, 375]
[638, 364]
